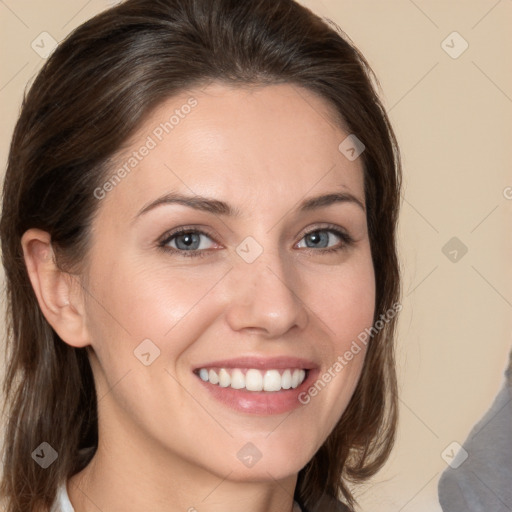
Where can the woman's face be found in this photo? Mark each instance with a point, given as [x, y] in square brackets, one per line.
[271, 282]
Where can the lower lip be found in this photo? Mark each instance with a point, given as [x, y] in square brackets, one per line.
[263, 403]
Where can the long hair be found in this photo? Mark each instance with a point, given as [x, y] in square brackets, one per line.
[88, 99]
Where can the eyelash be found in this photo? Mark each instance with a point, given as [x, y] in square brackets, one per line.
[346, 241]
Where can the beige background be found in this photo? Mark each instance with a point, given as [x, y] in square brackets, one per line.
[453, 118]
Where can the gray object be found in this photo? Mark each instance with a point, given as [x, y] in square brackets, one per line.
[483, 482]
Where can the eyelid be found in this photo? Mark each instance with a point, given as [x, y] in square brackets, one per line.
[184, 229]
[338, 230]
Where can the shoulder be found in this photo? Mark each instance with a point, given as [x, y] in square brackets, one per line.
[481, 471]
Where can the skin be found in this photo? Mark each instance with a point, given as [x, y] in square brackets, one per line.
[165, 443]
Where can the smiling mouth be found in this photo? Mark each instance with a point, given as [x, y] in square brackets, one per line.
[253, 379]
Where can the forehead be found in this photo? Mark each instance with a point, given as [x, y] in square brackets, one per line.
[250, 145]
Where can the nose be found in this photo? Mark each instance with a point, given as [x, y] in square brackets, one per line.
[266, 297]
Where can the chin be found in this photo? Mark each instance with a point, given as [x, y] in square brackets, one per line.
[259, 461]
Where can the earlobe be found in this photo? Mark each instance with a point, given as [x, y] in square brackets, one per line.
[57, 292]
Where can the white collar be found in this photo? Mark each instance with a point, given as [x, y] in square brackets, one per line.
[62, 503]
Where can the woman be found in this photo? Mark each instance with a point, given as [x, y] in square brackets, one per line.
[198, 234]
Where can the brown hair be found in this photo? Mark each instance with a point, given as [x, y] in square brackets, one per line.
[88, 99]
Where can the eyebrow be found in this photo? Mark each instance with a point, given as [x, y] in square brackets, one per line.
[217, 207]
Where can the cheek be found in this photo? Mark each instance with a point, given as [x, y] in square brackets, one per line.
[345, 300]
[353, 309]
[131, 302]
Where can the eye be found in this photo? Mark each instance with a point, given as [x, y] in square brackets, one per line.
[329, 239]
[191, 241]
[186, 241]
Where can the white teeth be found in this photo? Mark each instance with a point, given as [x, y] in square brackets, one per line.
[272, 381]
[296, 378]
[213, 377]
[237, 379]
[286, 379]
[253, 379]
[224, 378]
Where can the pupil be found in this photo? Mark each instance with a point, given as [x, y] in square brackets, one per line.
[317, 237]
[187, 240]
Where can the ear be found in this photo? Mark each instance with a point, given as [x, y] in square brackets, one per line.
[58, 293]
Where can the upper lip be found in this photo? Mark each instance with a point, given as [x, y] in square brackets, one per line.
[261, 363]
